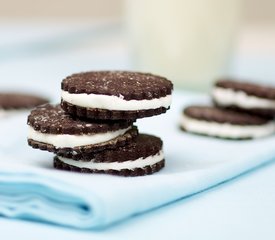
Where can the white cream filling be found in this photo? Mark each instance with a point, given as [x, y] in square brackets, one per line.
[228, 97]
[136, 163]
[113, 102]
[70, 141]
[226, 130]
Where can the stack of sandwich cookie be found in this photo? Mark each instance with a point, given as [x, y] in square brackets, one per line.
[92, 131]
[241, 111]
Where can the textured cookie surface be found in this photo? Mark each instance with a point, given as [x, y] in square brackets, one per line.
[54, 130]
[52, 119]
[115, 95]
[142, 146]
[141, 156]
[9, 101]
[130, 85]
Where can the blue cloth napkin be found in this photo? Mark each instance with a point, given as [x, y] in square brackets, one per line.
[31, 189]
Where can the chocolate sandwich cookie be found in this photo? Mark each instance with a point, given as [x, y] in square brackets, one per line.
[115, 95]
[143, 156]
[18, 101]
[245, 96]
[225, 123]
[51, 129]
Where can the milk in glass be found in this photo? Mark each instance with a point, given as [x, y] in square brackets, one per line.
[188, 41]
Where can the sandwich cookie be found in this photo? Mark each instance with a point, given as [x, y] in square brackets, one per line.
[224, 123]
[51, 129]
[143, 156]
[115, 95]
[13, 102]
[243, 96]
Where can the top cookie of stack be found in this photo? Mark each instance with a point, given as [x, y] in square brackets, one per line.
[94, 132]
[115, 95]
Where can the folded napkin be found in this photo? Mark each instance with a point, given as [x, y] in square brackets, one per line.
[31, 189]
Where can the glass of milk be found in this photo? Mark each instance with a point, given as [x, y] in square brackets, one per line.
[188, 41]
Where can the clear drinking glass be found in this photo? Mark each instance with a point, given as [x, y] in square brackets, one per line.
[188, 41]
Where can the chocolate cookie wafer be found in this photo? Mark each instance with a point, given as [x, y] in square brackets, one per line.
[224, 123]
[51, 129]
[115, 95]
[143, 156]
[249, 97]
[12, 102]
